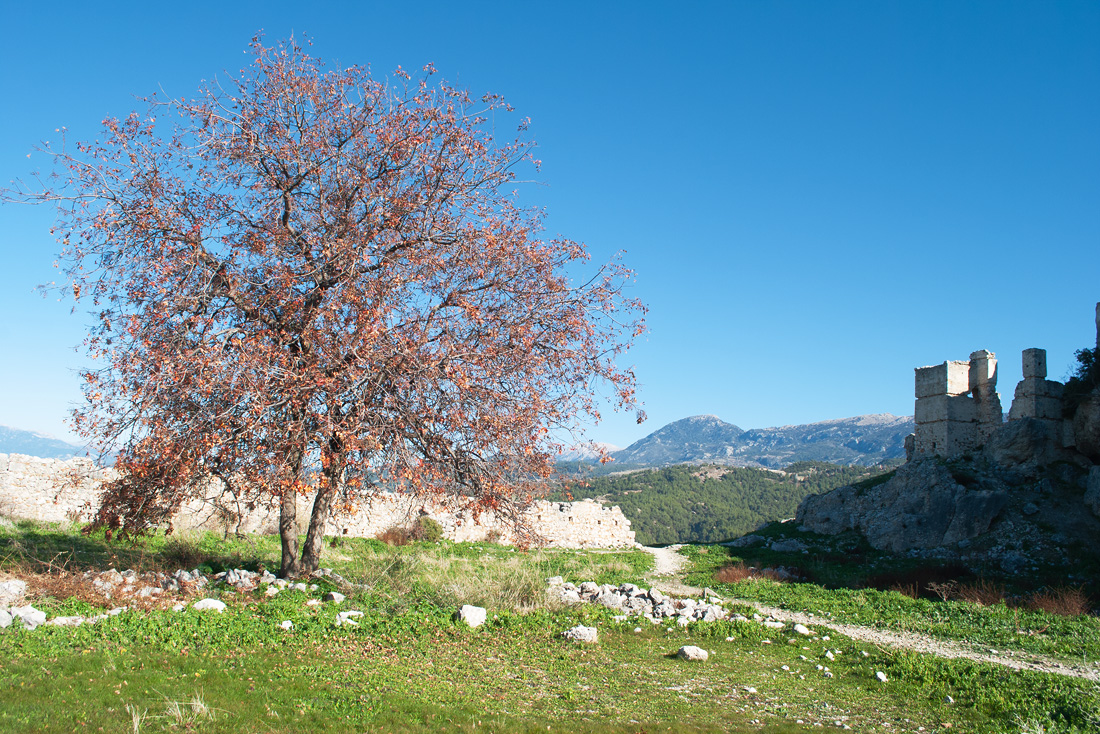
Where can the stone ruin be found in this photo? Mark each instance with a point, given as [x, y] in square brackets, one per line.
[51, 490]
[958, 408]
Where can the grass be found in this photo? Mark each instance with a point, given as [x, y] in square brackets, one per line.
[409, 667]
[997, 625]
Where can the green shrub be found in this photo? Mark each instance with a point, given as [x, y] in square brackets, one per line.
[1085, 379]
[427, 529]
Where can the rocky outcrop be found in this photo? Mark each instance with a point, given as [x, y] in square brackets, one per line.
[1092, 491]
[921, 506]
[1025, 445]
[1086, 427]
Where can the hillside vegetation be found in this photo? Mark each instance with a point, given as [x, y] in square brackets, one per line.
[707, 504]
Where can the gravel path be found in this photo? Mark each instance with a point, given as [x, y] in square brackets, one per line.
[669, 563]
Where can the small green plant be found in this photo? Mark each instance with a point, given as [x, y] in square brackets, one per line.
[427, 529]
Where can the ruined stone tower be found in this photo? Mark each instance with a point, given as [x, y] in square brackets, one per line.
[1036, 396]
[957, 405]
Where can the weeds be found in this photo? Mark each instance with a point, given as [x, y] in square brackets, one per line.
[985, 593]
[137, 718]
[1065, 601]
[740, 572]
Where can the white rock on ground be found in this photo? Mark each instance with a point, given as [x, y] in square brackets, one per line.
[348, 618]
[29, 616]
[581, 633]
[693, 654]
[802, 629]
[5, 619]
[286, 624]
[335, 597]
[471, 615]
[11, 592]
[204, 604]
[881, 676]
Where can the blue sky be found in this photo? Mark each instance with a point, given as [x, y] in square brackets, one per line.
[816, 197]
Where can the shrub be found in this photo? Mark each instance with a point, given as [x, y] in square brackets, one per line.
[427, 529]
[394, 536]
[983, 592]
[740, 572]
[1085, 379]
[732, 574]
[1065, 601]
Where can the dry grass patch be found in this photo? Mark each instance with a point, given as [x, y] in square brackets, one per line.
[1065, 601]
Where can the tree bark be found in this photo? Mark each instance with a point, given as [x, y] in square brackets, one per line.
[288, 521]
[315, 536]
[288, 533]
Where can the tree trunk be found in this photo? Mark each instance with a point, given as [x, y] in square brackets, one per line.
[288, 532]
[315, 536]
[288, 520]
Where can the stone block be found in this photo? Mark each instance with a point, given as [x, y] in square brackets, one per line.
[945, 408]
[1033, 387]
[949, 378]
[983, 369]
[1035, 363]
[945, 438]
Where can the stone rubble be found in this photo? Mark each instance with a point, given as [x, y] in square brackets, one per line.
[113, 583]
[654, 606]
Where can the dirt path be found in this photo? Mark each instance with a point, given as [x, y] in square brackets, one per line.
[666, 577]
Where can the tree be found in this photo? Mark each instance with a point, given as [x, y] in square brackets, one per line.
[316, 283]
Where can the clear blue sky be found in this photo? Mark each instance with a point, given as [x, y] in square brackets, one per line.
[816, 197]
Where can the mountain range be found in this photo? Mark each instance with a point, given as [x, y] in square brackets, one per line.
[18, 441]
[863, 439]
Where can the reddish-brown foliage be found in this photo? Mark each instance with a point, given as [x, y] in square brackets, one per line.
[394, 536]
[1066, 601]
[316, 269]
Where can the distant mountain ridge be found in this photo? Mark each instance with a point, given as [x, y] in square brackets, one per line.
[862, 439]
[18, 441]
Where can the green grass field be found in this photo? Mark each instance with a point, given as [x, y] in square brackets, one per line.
[409, 667]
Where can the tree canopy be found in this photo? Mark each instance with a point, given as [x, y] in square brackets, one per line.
[312, 282]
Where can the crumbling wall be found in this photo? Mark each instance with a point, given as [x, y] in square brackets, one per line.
[58, 491]
[1037, 397]
[946, 414]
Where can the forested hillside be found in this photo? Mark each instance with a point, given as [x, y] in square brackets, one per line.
[691, 503]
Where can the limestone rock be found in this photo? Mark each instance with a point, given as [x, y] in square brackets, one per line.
[693, 654]
[746, 541]
[348, 618]
[5, 619]
[792, 545]
[1086, 427]
[29, 616]
[921, 506]
[471, 615]
[11, 592]
[1026, 443]
[581, 633]
[1092, 491]
[205, 604]
[335, 597]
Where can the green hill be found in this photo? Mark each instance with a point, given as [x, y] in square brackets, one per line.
[706, 504]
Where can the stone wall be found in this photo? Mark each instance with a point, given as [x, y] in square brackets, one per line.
[59, 491]
[957, 406]
[958, 410]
